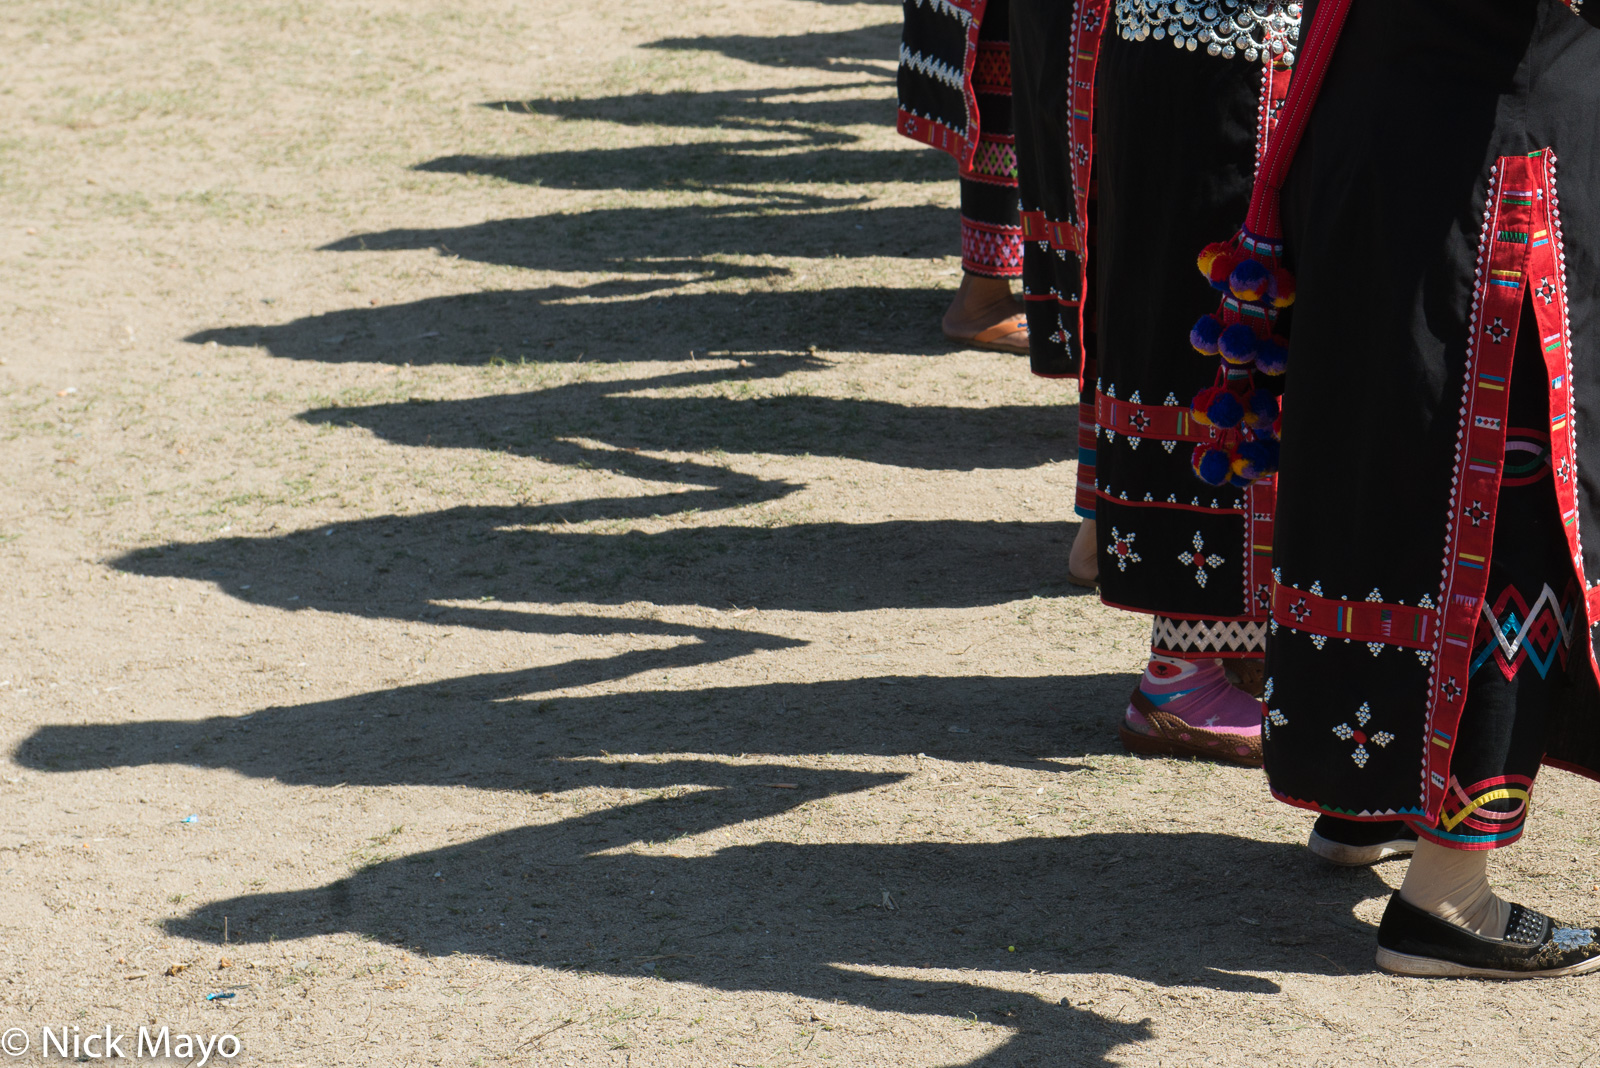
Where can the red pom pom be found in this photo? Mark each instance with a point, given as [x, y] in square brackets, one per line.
[1283, 289]
[1223, 266]
[1202, 403]
[1209, 254]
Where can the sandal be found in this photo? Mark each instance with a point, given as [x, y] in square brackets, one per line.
[991, 338]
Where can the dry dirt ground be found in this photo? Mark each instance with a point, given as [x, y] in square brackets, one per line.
[494, 549]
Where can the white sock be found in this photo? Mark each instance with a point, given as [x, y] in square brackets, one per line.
[1453, 884]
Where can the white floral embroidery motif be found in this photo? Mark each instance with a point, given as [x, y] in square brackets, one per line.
[1360, 737]
[1199, 560]
[1122, 549]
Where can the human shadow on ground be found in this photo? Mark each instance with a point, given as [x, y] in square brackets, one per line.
[398, 567]
[693, 240]
[624, 320]
[869, 50]
[799, 114]
[802, 148]
[744, 416]
[809, 920]
[519, 730]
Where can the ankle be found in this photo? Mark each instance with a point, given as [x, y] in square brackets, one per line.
[978, 297]
[1453, 884]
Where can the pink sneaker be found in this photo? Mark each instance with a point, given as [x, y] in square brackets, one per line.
[1189, 708]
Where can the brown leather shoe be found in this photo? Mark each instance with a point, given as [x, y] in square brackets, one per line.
[1171, 736]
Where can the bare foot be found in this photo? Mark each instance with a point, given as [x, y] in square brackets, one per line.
[984, 315]
[1083, 563]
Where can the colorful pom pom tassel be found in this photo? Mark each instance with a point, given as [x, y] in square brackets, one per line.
[1249, 280]
[1238, 344]
[1205, 334]
[1261, 408]
[1222, 268]
[1211, 465]
[1202, 402]
[1283, 288]
[1272, 356]
[1260, 457]
[1209, 255]
[1225, 410]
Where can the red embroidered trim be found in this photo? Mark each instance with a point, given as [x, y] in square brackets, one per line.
[1520, 251]
[1088, 453]
[1311, 64]
[1088, 25]
[1407, 626]
[989, 250]
[1036, 226]
[991, 70]
[933, 134]
[1165, 422]
[994, 161]
[1274, 91]
[936, 134]
[1344, 814]
[1261, 504]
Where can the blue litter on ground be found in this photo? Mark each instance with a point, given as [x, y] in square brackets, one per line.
[220, 997]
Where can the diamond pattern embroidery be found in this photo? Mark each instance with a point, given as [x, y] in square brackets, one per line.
[1497, 330]
[1546, 291]
[1359, 735]
[1200, 560]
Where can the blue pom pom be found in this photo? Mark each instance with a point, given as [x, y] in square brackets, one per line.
[1213, 467]
[1240, 481]
[1264, 406]
[1225, 411]
[1238, 344]
[1271, 357]
[1261, 455]
[1250, 280]
[1205, 334]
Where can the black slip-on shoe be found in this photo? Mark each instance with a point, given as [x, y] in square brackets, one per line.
[1414, 942]
[1357, 843]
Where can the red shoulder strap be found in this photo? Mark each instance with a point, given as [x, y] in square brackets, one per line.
[1311, 65]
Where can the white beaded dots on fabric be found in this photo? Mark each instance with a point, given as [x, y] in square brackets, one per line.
[1254, 29]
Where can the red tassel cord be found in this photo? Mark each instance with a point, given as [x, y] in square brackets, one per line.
[1255, 287]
